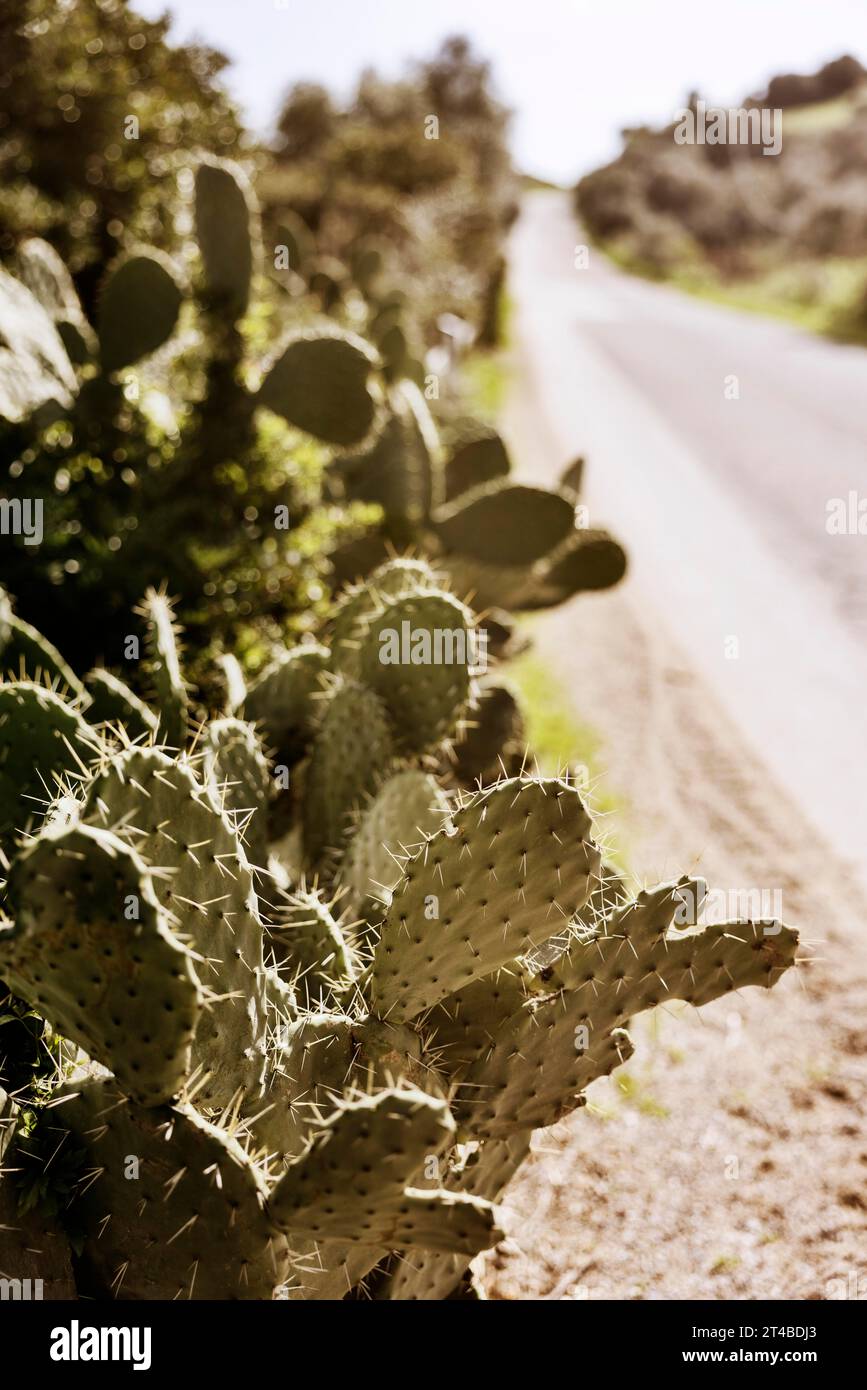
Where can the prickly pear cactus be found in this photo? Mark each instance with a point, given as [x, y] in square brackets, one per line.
[506, 543]
[325, 1088]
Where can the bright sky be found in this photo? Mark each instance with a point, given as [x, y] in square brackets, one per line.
[574, 71]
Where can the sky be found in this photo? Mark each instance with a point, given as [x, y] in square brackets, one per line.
[575, 72]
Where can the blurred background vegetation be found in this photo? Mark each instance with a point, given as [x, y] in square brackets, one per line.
[442, 204]
[783, 234]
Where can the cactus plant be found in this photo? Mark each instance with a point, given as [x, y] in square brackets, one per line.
[361, 1087]
[129, 503]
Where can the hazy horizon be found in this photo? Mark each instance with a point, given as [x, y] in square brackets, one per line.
[575, 73]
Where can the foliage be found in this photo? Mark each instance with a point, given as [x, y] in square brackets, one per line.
[71, 168]
[439, 197]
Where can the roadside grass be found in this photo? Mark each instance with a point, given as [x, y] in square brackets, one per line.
[560, 740]
[822, 115]
[827, 297]
[485, 373]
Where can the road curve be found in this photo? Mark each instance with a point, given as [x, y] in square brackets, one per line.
[716, 441]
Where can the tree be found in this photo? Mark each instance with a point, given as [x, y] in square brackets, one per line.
[96, 107]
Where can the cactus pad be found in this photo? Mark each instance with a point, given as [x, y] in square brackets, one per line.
[92, 951]
[138, 310]
[319, 383]
[187, 1221]
[281, 699]
[353, 1181]
[532, 1070]
[233, 764]
[515, 864]
[478, 459]
[164, 668]
[203, 882]
[503, 523]
[112, 702]
[343, 767]
[42, 739]
[224, 214]
[406, 809]
[418, 652]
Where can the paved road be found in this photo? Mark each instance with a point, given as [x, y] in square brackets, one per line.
[716, 441]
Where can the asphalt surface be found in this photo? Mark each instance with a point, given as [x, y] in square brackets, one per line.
[716, 442]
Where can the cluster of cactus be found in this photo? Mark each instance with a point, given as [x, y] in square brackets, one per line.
[204, 486]
[317, 381]
[509, 543]
[345, 376]
[314, 996]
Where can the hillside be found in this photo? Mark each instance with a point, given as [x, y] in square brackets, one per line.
[782, 233]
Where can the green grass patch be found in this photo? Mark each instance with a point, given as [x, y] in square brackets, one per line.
[826, 297]
[634, 1093]
[821, 116]
[485, 374]
[559, 740]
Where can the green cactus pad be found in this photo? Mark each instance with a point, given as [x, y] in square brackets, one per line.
[323, 1055]
[431, 1275]
[462, 1025]
[230, 676]
[418, 653]
[187, 1221]
[504, 523]
[493, 741]
[281, 699]
[328, 1269]
[540, 970]
[225, 217]
[486, 586]
[312, 1071]
[480, 457]
[233, 763]
[571, 478]
[350, 1183]
[164, 668]
[533, 1070]
[389, 580]
[356, 557]
[309, 943]
[42, 739]
[402, 470]
[444, 1221]
[516, 863]
[588, 560]
[35, 370]
[138, 310]
[204, 884]
[407, 808]
[319, 383]
[112, 702]
[91, 950]
[26, 654]
[344, 767]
